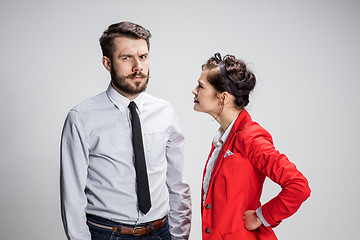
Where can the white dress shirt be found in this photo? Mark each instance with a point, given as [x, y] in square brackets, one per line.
[218, 141]
[97, 171]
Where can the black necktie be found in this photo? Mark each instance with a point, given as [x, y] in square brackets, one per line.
[142, 183]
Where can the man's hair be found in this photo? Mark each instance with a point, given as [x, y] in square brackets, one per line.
[122, 29]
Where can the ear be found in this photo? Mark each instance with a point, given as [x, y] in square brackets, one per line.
[222, 98]
[226, 97]
[229, 97]
[107, 63]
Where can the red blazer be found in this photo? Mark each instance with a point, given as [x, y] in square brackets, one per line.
[237, 180]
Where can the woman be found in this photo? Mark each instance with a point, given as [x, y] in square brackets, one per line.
[242, 155]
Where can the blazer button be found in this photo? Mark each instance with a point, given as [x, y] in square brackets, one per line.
[207, 230]
[207, 206]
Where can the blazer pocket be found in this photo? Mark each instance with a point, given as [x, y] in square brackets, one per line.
[228, 153]
[241, 234]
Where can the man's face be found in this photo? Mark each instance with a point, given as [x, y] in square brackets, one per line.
[129, 66]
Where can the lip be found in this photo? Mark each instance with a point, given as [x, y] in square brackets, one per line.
[196, 101]
[137, 79]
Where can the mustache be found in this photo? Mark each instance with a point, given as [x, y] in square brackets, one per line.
[137, 74]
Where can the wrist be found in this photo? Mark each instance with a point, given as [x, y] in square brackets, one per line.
[261, 217]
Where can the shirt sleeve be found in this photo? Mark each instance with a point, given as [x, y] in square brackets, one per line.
[73, 174]
[276, 166]
[179, 190]
[261, 217]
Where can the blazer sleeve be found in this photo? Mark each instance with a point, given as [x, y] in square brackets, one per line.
[261, 152]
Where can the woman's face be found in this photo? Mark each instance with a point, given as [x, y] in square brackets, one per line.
[205, 96]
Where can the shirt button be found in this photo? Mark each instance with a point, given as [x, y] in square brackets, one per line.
[207, 230]
[207, 206]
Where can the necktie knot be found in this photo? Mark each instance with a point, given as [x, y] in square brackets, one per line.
[132, 105]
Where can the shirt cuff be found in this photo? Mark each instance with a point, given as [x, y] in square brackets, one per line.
[261, 217]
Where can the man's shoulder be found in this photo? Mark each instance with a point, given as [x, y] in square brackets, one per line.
[89, 110]
[91, 103]
[156, 101]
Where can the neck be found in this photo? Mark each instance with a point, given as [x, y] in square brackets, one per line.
[227, 116]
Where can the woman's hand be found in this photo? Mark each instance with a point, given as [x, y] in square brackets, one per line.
[251, 220]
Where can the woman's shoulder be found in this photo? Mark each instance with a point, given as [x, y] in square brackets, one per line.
[251, 130]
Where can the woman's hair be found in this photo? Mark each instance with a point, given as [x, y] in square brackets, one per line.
[122, 29]
[242, 79]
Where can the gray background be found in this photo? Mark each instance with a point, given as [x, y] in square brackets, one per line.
[305, 55]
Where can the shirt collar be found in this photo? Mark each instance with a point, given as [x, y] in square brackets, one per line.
[221, 136]
[122, 102]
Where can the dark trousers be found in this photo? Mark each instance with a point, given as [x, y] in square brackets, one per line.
[107, 234]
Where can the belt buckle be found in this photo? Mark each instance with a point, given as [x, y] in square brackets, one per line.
[134, 234]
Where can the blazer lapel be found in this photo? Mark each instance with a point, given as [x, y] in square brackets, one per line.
[222, 153]
[241, 120]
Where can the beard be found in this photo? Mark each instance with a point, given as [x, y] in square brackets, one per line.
[124, 86]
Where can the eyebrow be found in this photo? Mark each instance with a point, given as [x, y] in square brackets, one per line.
[126, 55]
[131, 55]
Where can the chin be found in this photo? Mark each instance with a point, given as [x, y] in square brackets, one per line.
[196, 108]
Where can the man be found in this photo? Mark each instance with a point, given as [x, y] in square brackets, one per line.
[102, 196]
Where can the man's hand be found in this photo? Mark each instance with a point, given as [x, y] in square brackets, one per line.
[251, 220]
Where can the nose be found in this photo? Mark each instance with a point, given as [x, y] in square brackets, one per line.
[137, 65]
[194, 91]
